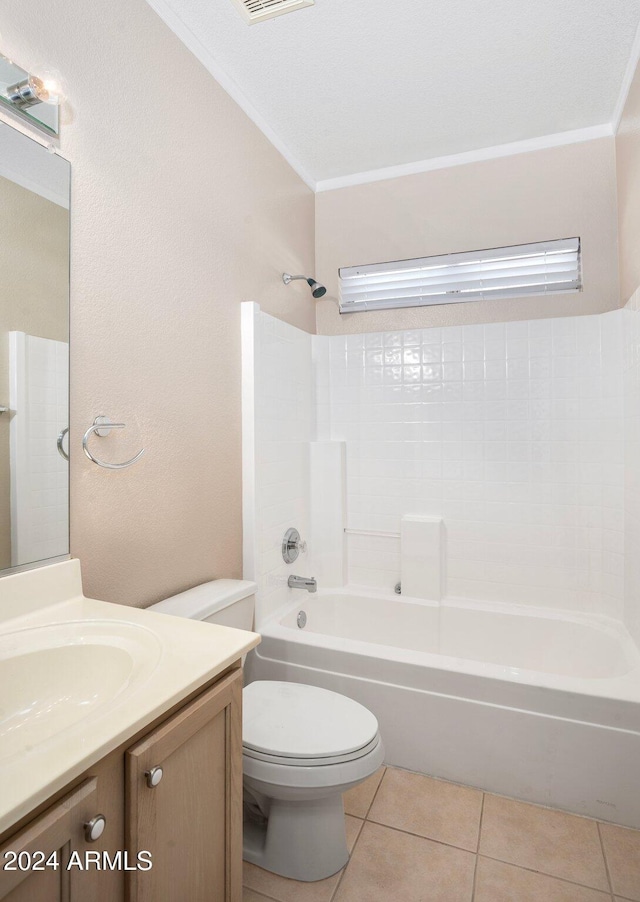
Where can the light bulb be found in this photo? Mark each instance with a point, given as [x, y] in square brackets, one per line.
[52, 83]
[53, 91]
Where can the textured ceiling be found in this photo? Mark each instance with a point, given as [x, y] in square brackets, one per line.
[349, 86]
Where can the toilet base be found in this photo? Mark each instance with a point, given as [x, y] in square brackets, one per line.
[303, 840]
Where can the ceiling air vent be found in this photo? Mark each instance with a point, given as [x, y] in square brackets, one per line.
[259, 10]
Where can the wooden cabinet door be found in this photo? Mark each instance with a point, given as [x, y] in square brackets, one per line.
[191, 821]
[59, 835]
[54, 835]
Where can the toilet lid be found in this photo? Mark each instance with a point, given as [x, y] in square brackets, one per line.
[293, 720]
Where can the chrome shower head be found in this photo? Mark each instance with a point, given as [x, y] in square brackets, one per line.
[317, 290]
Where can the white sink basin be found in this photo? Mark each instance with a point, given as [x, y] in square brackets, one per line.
[80, 677]
[55, 677]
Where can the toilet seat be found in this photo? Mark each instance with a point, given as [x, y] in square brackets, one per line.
[301, 725]
[278, 776]
[312, 762]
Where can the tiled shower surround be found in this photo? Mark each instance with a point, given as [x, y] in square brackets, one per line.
[512, 433]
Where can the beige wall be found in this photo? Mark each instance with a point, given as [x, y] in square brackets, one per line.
[34, 298]
[556, 193]
[181, 209]
[628, 168]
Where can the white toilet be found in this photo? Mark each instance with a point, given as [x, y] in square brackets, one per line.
[302, 748]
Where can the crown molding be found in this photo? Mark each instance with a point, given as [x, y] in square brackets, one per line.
[195, 45]
[559, 139]
[629, 73]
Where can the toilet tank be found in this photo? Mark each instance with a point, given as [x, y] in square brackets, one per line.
[228, 602]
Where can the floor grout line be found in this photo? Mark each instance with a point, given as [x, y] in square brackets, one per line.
[258, 893]
[523, 867]
[375, 794]
[344, 869]
[604, 858]
[364, 821]
[475, 869]
[440, 842]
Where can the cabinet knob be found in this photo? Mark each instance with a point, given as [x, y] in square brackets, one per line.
[154, 775]
[94, 828]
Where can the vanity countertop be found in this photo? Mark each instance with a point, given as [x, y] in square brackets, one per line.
[78, 677]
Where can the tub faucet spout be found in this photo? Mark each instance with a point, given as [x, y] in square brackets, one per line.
[303, 582]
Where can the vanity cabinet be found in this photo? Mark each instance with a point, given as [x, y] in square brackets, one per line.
[175, 793]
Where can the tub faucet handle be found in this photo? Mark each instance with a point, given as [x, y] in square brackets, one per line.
[292, 546]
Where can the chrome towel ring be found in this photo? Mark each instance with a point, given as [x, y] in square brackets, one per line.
[102, 426]
[59, 442]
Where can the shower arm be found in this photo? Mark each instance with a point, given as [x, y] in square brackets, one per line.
[317, 290]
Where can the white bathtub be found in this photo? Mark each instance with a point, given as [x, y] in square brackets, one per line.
[517, 700]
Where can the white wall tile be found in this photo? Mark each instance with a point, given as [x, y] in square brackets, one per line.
[507, 440]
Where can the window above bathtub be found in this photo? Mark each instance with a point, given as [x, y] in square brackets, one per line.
[546, 267]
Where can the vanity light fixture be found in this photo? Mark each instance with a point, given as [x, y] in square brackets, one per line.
[32, 94]
[32, 90]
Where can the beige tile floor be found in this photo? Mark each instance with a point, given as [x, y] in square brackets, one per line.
[416, 839]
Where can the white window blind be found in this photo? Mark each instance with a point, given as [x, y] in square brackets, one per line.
[523, 269]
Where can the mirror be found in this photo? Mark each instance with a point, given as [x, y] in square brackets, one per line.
[34, 351]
